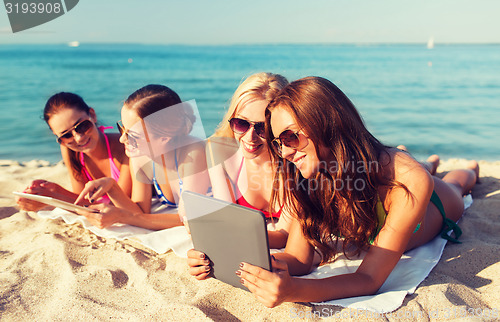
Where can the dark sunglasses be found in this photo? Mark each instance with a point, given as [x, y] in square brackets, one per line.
[242, 126]
[80, 128]
[287, 138]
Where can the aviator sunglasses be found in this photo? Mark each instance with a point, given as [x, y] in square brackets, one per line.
[289, 139]
[241, 126]
[80, 128]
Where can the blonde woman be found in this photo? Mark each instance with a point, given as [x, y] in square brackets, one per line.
[240, 167]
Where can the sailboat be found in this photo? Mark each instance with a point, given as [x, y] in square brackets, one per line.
[430, 43]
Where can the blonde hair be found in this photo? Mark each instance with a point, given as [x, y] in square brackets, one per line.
[261, 86]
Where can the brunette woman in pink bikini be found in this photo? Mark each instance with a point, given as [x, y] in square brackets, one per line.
[87, 152]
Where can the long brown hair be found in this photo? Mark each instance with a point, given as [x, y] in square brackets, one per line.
[326, 206]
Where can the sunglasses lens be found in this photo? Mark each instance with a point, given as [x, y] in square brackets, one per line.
[290, 139]
[83, 127]
[65, 137]
[239, 126]
[68, 135]
[260, 129]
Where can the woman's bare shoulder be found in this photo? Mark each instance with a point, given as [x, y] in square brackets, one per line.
[400, 166]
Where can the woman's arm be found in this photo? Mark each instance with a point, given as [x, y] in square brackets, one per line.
[279, 236]
[273, 288]
[95, 189]
[109, 215]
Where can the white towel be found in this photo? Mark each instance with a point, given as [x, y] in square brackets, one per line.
[160, 241]
[411, 270]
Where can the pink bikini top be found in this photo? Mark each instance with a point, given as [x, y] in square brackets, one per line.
[115, 173]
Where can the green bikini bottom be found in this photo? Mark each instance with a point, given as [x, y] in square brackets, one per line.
[448, 224]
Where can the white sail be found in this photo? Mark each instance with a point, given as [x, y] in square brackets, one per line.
[430, 43]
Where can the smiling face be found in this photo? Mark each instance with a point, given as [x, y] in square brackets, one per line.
[304, 156]
[65, 119]
[252, 145]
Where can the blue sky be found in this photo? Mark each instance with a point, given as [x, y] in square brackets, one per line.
[258, 21]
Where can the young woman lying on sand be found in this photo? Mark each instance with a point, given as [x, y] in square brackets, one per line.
[164, 158]
[87, 152]
[341, 181]
[240, 165]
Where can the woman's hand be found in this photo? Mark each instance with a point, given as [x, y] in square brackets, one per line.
[270, 288]
[95, 189]
[37, 187]
[199, 264]
[106, 216]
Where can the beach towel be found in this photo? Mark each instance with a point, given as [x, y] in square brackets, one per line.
[413, 267]
[177, 239]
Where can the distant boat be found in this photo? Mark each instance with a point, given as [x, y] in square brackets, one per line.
[74, 44]
[430, 43]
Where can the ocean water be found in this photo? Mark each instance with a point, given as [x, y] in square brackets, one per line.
[445, 100]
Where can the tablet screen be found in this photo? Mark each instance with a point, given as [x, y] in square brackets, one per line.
[228, 234]
[53, 202]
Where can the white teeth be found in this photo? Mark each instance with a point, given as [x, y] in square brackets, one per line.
[299, 161]
[250, 148]
[82, 145]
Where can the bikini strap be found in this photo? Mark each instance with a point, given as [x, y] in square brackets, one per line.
[448, 224]
[84, 169]
[102, 128]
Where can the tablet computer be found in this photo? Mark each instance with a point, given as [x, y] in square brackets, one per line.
[53, 202]
[228, 234]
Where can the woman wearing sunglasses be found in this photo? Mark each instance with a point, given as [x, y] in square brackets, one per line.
[240, 167]
[165, 160]
[341, 181]
[87, 152]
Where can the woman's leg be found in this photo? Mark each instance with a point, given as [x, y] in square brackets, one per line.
[450, 190]
[431, 164]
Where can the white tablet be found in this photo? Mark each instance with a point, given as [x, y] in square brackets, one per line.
[54, 202]
[228, 234]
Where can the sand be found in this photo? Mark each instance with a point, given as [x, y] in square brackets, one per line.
[50, 270]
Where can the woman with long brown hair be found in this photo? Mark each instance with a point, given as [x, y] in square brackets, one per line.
[344, 184]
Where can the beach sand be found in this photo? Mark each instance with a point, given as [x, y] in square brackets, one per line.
[50, 270]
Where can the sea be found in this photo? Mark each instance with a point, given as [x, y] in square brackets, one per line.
[444, 100]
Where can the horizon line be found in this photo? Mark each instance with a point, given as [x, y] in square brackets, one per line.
[255, 44]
